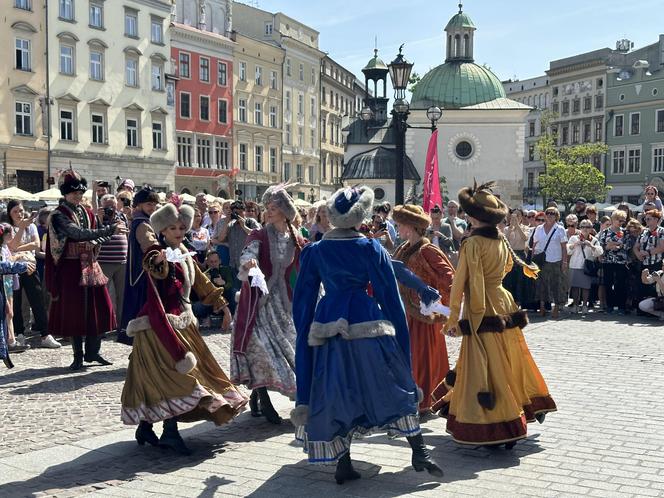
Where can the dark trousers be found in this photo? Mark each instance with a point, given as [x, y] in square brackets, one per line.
[33, 290]
[92, 346]
[615, 281]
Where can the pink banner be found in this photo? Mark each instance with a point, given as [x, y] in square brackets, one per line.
[431, 179]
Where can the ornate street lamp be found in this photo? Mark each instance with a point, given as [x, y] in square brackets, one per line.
[366, 114]
[400, 70]
[434, 113]
[311, 195]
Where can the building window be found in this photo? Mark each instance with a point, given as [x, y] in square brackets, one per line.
[157, 76]
[66, 10]
[22, 54]
[288, 67]
[96, 15]
[659, 120]
[313, 139]
[96, 65]
[98, 128]
[273, 116]
[599, 102]
[23, 117]
[157, 135]
[587, 104]
[273, 80]
[313, 76]
[618, 162]
[618, 125]
[288, 134]
[243, 156]
[564, 139]
[273, 160]
[531, 129]
[313, 110]
[204, 69]
[66, 124]
[222, 111]
[184, 65]
[242, 110]
[184, 151]
[221, 154]
[66, 59]
[204, 108]
[300, 104]
[598, 131]
[298, 173]
[531, 152]
[301, 72]
[258, 113]
[586, 132]
[222, 74]
[658, 159]
[23, 4]
[323, 169]
[132, 132]
[565, 107]
[243, 71]
[576, 106]
[157, 30]
[555, 107]
[131, 23]
[634, 161]
[310, 174]
[288, 106]
[268, 29]
[258, 157]
[575, 133]
[531, 179]
[185, 105]
[203, 152]
[131, 71]
[287, 172]
[259, 76]
[635, 123]
[300, 136]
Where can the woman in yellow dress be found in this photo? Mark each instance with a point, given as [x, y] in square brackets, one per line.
[496, 387]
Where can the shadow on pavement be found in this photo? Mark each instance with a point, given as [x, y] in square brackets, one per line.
[30, 373]
[73, 382]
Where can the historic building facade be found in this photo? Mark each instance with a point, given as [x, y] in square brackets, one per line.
[23, 109]
[258, 115]
[300, 91]
[203, 95]
[108, 69]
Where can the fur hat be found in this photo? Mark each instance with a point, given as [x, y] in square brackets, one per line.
[146, 194]
[412, 215]
[168, 215]
[71, 181]
[350, 206]
[480, 203]
[278, 195]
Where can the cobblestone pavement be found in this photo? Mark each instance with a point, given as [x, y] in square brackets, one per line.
[61, 433]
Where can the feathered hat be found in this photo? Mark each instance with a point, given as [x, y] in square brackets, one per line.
[278, 195]
[71, 181]
[412, 215]
[480, 203]
[350, 206]
[168, 215]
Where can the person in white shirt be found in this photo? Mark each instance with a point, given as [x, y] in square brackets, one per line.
[551, 241]
[581, 247]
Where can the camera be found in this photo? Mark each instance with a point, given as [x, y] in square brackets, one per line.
[109, 212]
[234, 216]
[382, 226]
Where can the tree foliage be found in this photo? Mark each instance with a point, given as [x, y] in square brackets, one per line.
[413, 81]
[569, 173]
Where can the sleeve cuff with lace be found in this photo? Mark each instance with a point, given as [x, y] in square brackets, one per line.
[250, 252]
[156, 270]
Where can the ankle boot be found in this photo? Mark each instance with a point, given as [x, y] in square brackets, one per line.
[253, 404]
[266, 407]
[345, 471]
[77, 346]
[171, 438]
[540, 417]
[145, 434]
[421, 458]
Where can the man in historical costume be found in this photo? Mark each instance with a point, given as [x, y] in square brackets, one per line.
[141, 239]
[81, 306]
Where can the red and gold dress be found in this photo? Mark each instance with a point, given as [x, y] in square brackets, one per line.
[427, 342]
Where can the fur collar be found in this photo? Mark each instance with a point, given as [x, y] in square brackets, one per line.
[342, 234]
[488, 232]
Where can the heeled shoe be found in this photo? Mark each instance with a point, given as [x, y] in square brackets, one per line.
[421, 459]
[145, 434]
[76, 365]
[253, 404]
[267, 409]
[345, 471]
[99, 359]
[171, 438]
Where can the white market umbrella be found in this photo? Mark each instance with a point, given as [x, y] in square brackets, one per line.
[17, 193]
[188, 198]
[88, 194]
[51, 194]
[301, 203]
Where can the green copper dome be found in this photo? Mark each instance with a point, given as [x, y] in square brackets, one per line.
[376, 62]
[456, 84]
[460, 20]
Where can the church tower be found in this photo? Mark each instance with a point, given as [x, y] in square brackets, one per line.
[376, 71]
[460, 32]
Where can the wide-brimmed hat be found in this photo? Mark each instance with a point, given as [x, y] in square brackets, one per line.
[350, 206]
[480, 203]
[412, 215]
[169, 214]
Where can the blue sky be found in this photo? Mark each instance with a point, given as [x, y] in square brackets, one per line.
[514, 37]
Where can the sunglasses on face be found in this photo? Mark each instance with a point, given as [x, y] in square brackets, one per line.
[214, 212]
[549, 214]
[540, 219]
[530, 216]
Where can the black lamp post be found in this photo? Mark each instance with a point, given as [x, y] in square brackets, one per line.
[400, 70]
[311, 195]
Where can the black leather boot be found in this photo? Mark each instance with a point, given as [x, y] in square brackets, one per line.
[345, 471]
[92, 347]
[266, 406]
[145, 434]
[253, 404]
[171, 438]
[540, 417]
[421, 458]
[77, 346]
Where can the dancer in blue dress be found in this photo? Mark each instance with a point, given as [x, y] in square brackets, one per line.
[352, 352]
